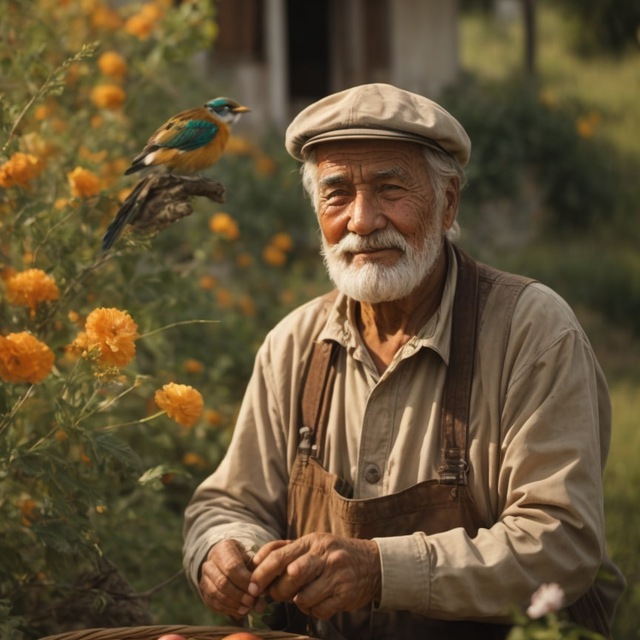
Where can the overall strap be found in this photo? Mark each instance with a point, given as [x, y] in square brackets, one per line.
[316, 390]
[475, 282]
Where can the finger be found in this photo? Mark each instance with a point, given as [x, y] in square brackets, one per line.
[322, 610]
[298, 575]
[225, 578]
[266, 549]
[274, 565]
[219, 601]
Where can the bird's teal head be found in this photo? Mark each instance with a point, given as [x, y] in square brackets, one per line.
[226, 109]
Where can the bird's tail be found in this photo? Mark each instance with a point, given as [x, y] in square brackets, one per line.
[126, 214]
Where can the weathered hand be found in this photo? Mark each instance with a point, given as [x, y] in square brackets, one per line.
[322, 573]
[225, 579]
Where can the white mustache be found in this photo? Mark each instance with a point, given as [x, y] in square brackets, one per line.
[384, 239]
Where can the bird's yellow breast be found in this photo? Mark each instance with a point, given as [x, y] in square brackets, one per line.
[196, 160]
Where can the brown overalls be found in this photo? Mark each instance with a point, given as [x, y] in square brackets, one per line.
[319, 502]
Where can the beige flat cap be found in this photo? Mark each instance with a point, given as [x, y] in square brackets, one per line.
[379, 111]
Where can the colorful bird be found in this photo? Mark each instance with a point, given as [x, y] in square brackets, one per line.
[192, 140]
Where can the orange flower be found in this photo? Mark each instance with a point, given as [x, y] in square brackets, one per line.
[83, 183]
[244, 260]
[27, 507]
[19, 170]
[139, 25]
[105, 18]
[265, 166]
[80, 346]
[282, 241]
[213, 417]
[114, 333]
[193, 366]
[31, 287]
[182, 403]
[224, 297]
[24, 358]
[108, 96]
[207, 282]
[239, 146]
[191, 459]
[112, 64]
[247, 305]
[225, 225]
[274, 256]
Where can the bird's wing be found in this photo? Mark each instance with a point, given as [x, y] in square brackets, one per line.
[184, 135]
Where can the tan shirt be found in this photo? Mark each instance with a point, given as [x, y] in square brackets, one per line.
[539, 436]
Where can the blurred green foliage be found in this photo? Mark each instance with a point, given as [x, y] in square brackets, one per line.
[93, 481]
[610, 26]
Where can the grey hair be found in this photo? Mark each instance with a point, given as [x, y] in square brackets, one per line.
[441, 166]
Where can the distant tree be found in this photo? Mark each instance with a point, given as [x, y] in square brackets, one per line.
[604, 25]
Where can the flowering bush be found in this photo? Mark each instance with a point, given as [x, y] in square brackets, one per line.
[543, 620]
[120, 372]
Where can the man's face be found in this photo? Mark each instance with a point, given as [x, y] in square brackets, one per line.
[382, 230]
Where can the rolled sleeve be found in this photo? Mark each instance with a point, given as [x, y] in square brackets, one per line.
[405, 573]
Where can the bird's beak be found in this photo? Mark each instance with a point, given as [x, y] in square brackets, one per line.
[240, 109]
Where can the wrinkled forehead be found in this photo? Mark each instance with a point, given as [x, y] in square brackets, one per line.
[388, 158]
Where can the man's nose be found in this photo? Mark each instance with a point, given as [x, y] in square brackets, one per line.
[365, 215]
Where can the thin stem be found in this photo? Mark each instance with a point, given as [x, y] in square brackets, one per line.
[177, 324]
[16, 407]
[113, 427]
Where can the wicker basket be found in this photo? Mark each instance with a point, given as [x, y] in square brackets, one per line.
[155, 631]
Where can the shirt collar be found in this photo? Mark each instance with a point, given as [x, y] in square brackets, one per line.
[435, 334]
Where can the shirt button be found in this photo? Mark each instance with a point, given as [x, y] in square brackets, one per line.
[372, 473]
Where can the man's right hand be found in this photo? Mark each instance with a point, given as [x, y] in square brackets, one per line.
[225, 579]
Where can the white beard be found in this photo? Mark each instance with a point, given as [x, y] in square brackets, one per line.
[374, 282]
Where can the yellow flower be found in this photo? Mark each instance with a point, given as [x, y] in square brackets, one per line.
[113, 64]
[83, 183]
[105, 18]
[238, 146]
[42, 112]
[152, 10]
[274, 256]
[108, 96]
[225, 225]
[139, 25]
[31, 287]
[182, 403]
[19, 170]
[114, 333]
[23, 358]
[282, 241]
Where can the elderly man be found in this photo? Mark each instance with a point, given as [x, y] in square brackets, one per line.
[419, 451]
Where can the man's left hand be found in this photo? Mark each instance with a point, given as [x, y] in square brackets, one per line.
[322, 573]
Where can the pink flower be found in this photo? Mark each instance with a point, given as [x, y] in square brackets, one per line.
[547, 599]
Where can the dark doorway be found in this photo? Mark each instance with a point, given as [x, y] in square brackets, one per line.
[308, 36]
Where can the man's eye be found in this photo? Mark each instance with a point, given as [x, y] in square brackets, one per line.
[334, 195]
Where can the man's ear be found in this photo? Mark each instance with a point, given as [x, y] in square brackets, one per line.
[451, 202]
